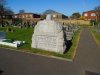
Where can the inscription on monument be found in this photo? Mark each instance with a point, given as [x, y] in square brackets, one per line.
[46, 41]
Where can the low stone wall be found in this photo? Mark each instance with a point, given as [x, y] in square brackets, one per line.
[80, 22]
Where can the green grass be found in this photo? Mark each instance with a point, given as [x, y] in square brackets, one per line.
[21, 34]
[26, 35]
[3, 28]
[8, 40]
[96, 36]
[71, 53]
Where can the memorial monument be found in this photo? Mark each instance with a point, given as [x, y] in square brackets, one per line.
[49, 35]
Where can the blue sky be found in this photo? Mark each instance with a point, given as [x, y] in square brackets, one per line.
[66, 7]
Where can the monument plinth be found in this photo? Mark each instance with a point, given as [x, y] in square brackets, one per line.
[48, 35]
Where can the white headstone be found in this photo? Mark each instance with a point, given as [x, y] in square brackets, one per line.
[48, 35]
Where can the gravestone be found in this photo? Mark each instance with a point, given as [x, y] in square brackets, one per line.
[98, 29]
[2, 35]
[69, 32]
[67, 28]
[48, 35]
[69, 35]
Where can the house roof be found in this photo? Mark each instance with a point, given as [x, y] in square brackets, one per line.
[25, 13]
[51, 12]
[91, 11]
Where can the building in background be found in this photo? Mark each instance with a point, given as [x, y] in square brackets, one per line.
[6, 16]
[27, 16]
[91, 15]
[55, 15]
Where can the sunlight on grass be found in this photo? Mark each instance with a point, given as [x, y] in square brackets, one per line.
[96, 36]
[26, 35]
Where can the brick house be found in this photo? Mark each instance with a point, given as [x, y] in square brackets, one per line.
[27, 16]
[91, 15]
[6, 16]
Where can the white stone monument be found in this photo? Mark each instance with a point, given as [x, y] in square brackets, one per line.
[48, 35]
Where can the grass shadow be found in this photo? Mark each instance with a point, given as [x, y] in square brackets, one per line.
[68, 45]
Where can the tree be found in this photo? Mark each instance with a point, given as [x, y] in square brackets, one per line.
[64, 16]
[97, 9]
[8, 11]
[2, 3]
[82, 17]
[76, 15]
[4, 11]
[43, 16]
[2, 7]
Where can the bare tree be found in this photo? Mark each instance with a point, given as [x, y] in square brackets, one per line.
[2, 2]
[4, 12]
[2, 5]
[97, 9]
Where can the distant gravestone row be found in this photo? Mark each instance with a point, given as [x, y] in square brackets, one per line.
[18, 23]
[96, 26]
[69, 30]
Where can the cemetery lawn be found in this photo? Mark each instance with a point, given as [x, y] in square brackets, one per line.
[25, 34]
[72, 51]
[96, 36]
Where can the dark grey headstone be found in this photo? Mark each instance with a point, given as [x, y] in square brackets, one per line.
[2, 35]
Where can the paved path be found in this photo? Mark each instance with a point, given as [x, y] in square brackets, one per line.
[88, 53]
[87, 59]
